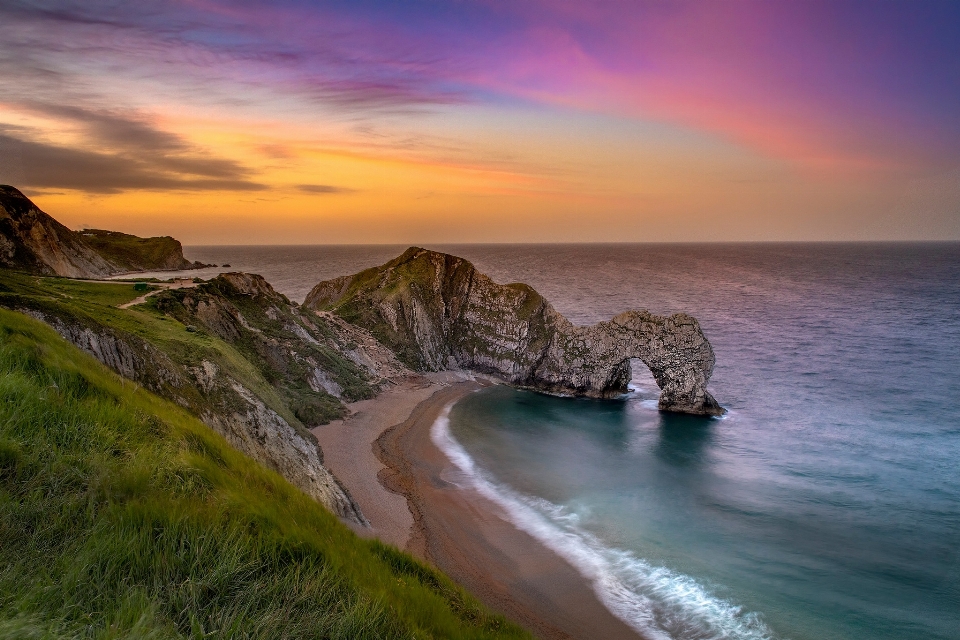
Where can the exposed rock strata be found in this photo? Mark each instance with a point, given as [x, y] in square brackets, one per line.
[438, 312]
[33, 241]
[313, 361]
[221, 401]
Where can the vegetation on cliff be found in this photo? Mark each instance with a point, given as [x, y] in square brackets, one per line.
[233, 352]
[33, 241]
[288, 348]
[121, 515]
[132, 253]
[438, 312]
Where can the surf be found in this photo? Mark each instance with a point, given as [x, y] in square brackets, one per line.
[655, 601]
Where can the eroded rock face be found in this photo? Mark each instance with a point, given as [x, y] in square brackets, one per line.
[315, 362]
[33, 241]
[265, 436]
[438, 312]
[221, 402]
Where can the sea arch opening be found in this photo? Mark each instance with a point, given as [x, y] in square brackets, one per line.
[641, 378]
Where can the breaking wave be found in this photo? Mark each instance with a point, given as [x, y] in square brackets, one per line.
[656, 601]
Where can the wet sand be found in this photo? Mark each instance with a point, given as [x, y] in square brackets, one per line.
[455, 528]
[347, 447]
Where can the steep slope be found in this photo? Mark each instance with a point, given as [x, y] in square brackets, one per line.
[250, 385]
[31, 240]
[305, 357]
[437, 312]
[132, 253]
[122, 516]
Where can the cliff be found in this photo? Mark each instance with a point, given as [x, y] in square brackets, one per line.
[33, 241]
[125, 517]
[436, 311]
[250, 364]
[132, 253]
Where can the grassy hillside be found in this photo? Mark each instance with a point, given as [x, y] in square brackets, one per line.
[123, 516]
[132, 253]
[95, 304]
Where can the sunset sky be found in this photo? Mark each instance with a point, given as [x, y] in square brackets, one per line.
[486, 120]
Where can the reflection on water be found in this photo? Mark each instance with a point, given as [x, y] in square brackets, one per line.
[684, 440]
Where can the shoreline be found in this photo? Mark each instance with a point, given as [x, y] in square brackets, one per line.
[383, 454]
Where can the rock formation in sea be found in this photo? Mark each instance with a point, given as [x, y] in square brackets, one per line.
[436, 311]
[33, 241]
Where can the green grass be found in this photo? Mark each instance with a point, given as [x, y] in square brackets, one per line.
[94, 293]
[288, 375]
[95, 304]
[123, 516]
[134, 253]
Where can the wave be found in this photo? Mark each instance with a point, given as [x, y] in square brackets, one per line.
[655, 601]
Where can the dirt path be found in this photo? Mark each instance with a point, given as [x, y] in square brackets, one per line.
[163, 286]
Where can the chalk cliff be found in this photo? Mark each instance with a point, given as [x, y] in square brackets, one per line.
[436, 311]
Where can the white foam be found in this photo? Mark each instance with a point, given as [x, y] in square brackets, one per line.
[655, 601]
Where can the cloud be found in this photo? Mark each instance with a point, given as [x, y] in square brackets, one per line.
[323, 188]
[324, 54]
[380, 94]
[836, 82]
[48, 166]
[113, 129]
[122, 151]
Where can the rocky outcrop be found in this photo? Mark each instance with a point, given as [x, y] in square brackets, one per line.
[217, 398]
[32, 241]
[265, 436]
[436, 311]
[314, 362]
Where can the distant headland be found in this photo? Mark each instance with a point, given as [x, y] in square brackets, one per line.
[33, 241]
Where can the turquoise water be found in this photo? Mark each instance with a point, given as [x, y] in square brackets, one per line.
[825, 506]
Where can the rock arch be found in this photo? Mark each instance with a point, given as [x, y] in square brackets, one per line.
[595, 360]
[436, 311]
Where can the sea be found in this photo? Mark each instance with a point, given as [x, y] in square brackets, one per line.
[825, 504]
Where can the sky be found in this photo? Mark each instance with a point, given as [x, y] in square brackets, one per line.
[421, 121]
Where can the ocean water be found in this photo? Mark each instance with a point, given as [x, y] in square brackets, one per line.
[825, 505]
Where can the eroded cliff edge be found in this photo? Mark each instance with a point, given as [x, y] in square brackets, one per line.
[436, 311]
[244, 359]
[33, 241]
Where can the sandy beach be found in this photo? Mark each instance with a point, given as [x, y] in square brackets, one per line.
[385, 458]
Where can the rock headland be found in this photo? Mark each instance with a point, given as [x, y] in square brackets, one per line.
[33, 241]
[436, 311]
[130, 253]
